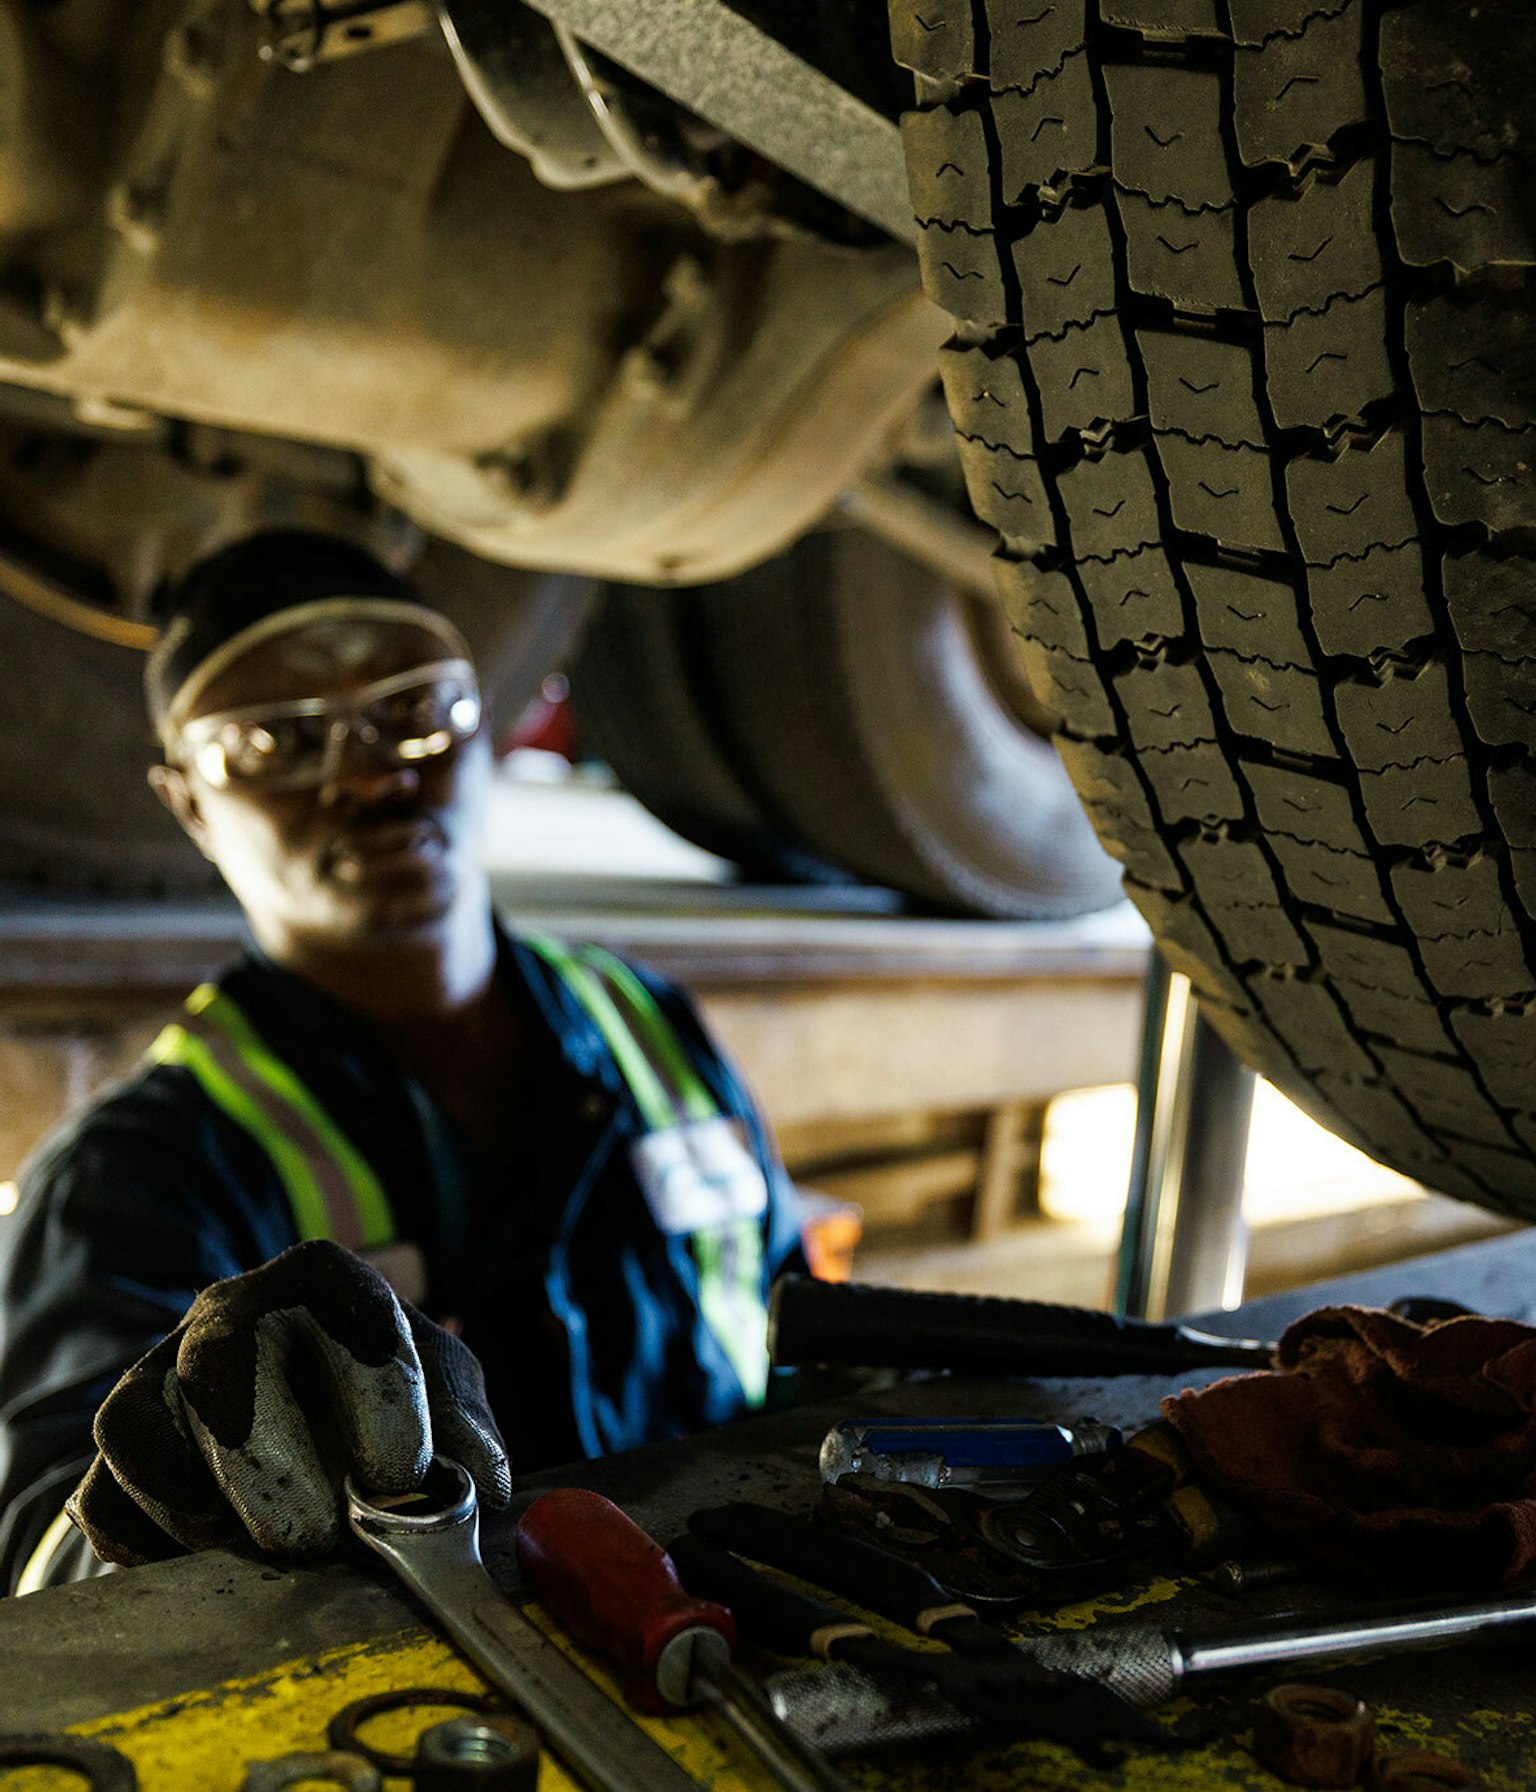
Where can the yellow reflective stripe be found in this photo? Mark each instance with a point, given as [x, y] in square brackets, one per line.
[176, 1045]
[728, 1258]
[656, 1030]
[651, 1095]
[376, 1222]
[34, 1577]
[730, 1264]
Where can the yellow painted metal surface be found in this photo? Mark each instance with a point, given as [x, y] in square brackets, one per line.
[1117, 1603]
[203, 1741]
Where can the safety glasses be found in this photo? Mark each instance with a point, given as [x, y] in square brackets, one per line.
[404, 719]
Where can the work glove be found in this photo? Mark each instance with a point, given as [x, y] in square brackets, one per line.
[238, 1427]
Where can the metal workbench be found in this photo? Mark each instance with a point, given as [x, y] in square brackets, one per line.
[193, 1667]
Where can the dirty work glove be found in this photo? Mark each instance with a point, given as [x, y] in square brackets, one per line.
[237, 1428]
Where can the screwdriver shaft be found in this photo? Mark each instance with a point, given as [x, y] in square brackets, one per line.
[796, 1766]
[616, 1589]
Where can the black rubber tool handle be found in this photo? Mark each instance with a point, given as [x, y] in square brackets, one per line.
[1008, 1694]
[775, 1617]
[857, 1570]
[786, 1621]
[849, 1323]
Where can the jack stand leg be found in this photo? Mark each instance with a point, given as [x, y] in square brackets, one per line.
[1184, 1246]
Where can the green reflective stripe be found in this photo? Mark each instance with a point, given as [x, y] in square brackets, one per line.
[376, 1222]
[176, 1045]
[659, 1034]
[657, 1108]
[730, 1264]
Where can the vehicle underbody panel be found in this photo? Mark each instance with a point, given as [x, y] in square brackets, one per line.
[606, 378]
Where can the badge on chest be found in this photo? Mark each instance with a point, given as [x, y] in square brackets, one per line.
[699, 1176]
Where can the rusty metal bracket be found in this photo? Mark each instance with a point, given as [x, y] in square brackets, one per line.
[300, 33]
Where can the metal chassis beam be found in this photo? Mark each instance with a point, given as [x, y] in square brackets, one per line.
[721, 66]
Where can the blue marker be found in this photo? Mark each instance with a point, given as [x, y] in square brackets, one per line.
[958, 1452]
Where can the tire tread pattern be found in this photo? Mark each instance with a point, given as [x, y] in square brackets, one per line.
[1259, 322]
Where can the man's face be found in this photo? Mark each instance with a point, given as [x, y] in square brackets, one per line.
[379, 846]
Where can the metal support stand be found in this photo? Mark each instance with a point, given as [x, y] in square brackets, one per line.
[1184, 1247]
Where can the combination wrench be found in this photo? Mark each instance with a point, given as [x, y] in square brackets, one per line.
[434, 1547]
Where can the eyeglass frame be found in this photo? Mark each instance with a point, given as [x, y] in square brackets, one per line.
[344, 711]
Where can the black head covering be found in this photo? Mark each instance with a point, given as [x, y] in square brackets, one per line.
[225, 594]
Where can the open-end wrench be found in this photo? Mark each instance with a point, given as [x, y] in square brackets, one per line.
[433, 1544]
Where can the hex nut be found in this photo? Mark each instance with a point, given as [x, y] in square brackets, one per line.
[1313, 1735]
[1418, 1770]
[478, 1754]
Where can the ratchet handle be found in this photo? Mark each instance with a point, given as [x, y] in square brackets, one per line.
[613, 1588]
[857, 1570]
[854, 1323]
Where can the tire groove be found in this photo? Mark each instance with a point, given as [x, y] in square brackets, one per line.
[1406, 937]
[1120, 253]
[1399, 274]
[1327, 679]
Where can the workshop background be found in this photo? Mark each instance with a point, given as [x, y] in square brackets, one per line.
[958, 1094]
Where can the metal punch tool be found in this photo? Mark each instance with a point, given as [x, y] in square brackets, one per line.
[435, 1550]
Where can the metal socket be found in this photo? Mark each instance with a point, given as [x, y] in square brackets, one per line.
[478, 1754]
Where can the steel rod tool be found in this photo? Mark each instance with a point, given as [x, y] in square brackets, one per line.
[1001, 1688]
[615, 1589]
[435, 1550]
[1142, 1664]
[851, 1323]
[1147, 1665]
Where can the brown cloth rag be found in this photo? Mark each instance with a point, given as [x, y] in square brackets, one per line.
[1383, 1446]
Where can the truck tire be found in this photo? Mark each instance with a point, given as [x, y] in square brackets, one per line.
[1244, 374]
[861, 691]
[648, 707]
[76, 813]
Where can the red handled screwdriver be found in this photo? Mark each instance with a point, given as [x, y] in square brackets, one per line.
[614, 1589]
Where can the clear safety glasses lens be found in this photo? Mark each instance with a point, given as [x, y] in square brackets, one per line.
[404, 719]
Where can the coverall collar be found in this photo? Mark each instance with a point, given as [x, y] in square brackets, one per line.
[536, 993]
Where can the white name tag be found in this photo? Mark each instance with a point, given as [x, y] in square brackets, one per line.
[699, 1175]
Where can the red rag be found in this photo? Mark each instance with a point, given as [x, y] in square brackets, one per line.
[1383, 1446]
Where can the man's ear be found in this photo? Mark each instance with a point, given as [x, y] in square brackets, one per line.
[169, 783]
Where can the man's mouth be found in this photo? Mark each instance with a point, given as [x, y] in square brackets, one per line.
[371, 848]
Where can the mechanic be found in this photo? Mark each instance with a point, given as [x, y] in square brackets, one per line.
[399, 1170]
